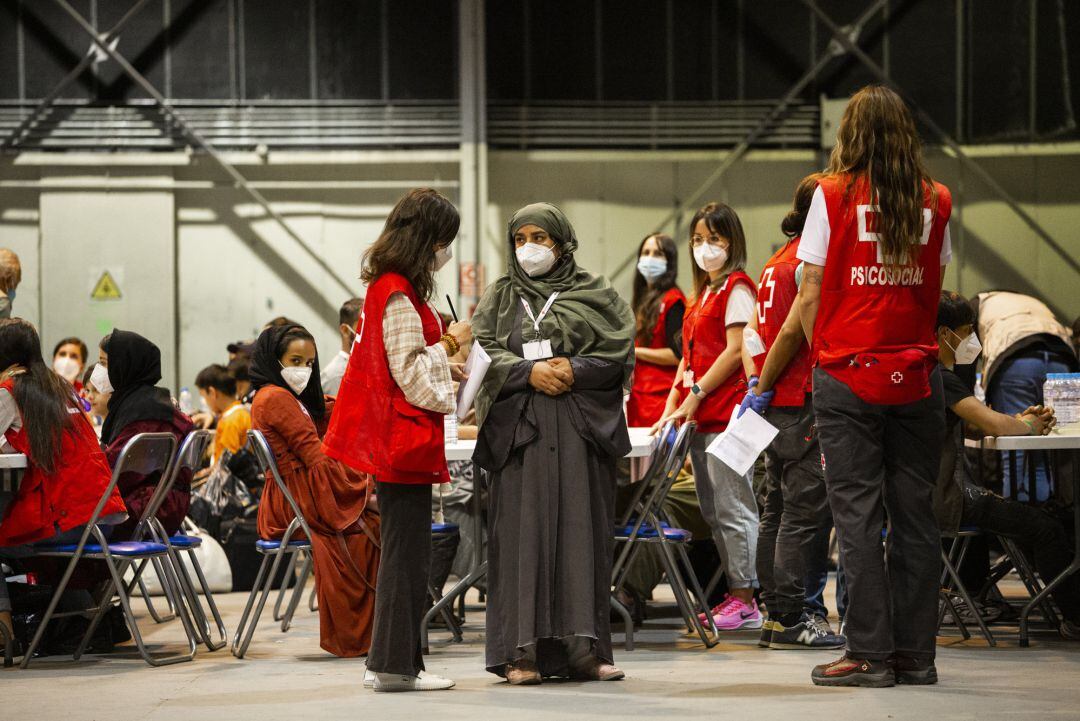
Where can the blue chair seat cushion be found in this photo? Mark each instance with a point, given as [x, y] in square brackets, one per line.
[182, 541]
[264, 544]
[647, 531]
[120, 548]
[444, 528]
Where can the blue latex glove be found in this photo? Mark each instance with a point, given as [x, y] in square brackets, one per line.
[760, 403]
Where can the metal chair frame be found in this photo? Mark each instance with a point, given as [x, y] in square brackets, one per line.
[191, 452]
[264, 581]
[145, 453]
[650, 517]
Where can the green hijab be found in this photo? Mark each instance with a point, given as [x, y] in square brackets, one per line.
[587, 319]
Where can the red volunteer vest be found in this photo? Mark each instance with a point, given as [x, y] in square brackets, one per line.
[704, 339]
[875, 325]
[373, 428]
[652, 382]
[47, 504]
[778, 290]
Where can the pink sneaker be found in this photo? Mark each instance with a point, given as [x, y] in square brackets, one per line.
[737, 615]
[718, 609]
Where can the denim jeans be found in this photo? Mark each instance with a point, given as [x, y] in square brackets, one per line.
[730, 508]
[1016, 385]
[795, 510]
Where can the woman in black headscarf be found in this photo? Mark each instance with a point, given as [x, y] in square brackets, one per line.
[129, 366]
[561, 343]
[291, 411]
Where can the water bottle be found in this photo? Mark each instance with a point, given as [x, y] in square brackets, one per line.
[1061, 391]
[187, 403]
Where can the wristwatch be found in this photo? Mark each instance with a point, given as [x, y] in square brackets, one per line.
[697, 391]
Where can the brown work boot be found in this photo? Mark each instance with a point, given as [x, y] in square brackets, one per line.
[854, 672]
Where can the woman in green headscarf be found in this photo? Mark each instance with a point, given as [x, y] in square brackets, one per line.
[561, 342]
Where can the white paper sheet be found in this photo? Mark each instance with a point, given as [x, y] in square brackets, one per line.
[476, 368]
[743, 441]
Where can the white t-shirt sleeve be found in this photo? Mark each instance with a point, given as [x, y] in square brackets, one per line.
[814, 246]
[946, 247]
[740, 306]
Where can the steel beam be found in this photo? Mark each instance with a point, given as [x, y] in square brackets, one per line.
[832, 51]
[944, 137]
[68, 79]
[238, 179]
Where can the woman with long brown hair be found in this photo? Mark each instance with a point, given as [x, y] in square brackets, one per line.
[875, 245]
[388, 421]
[658, 307]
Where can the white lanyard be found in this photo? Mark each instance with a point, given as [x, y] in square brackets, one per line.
[537, 318]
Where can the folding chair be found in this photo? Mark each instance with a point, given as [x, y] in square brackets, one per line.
[144, 454]
[951, 583]
[191, 453]
[297, 584]
[275, 549]
[445, 529]
[652, 526]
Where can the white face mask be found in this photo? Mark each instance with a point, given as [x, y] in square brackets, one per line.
[651, 267]
[710, 257]
[968, 350]
[535, 259]
[100, 379]
[443, 256]
[67, 368]
[297, 377]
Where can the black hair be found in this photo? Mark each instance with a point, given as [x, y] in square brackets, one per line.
[83, 350]
[295, 333]
[954, 310]
[43, 398]
[793, 222]
[216, 376]
[350, 311]
[87, 372]
[240, 367]
[646, 299]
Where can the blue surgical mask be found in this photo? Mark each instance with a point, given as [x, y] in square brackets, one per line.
[652, 267]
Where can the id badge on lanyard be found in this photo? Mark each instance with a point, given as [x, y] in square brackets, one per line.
[539, 348]
[688, 375]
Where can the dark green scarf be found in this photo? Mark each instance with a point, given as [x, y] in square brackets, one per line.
[587, 319]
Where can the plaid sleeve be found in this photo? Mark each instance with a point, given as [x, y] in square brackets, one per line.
[422, 372]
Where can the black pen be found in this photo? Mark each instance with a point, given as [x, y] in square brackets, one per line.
[453, 313]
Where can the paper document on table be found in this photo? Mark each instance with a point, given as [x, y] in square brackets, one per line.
[743, 441]
[476, 367]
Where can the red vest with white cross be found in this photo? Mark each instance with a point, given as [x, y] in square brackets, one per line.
[776, 294]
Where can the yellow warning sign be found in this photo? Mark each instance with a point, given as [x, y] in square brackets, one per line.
[106, 288]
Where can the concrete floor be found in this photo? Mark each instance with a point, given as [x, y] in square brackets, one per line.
[287, 676]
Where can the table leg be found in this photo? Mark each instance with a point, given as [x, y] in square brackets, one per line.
[1072, 568]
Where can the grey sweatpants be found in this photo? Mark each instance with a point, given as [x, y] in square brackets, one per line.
[730, 508]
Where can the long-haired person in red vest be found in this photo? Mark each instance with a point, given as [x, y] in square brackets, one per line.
[658, 307]
[291, 411]
[66, 473]
[709, 383]
[793, 538]
[875, 246]
[388, 421]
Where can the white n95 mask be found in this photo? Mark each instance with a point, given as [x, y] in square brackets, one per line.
[297, 377]
[535, 259]
[443, 256]
[968, 350]
[710, 257]
[67, 368]
[100, 378]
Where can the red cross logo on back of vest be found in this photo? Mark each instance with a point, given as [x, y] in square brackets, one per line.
[867, 216]
[897, 377]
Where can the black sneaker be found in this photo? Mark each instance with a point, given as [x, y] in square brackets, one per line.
[765, 640]
[808, 633]
[854, 672]
[914, 672]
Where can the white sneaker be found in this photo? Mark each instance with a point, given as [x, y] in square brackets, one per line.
[385, 682]
[369, 678]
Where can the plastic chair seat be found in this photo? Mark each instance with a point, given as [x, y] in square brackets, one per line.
[182, 541]
[264, 544]
[444, 528]
[120, 548]
[647, 531]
